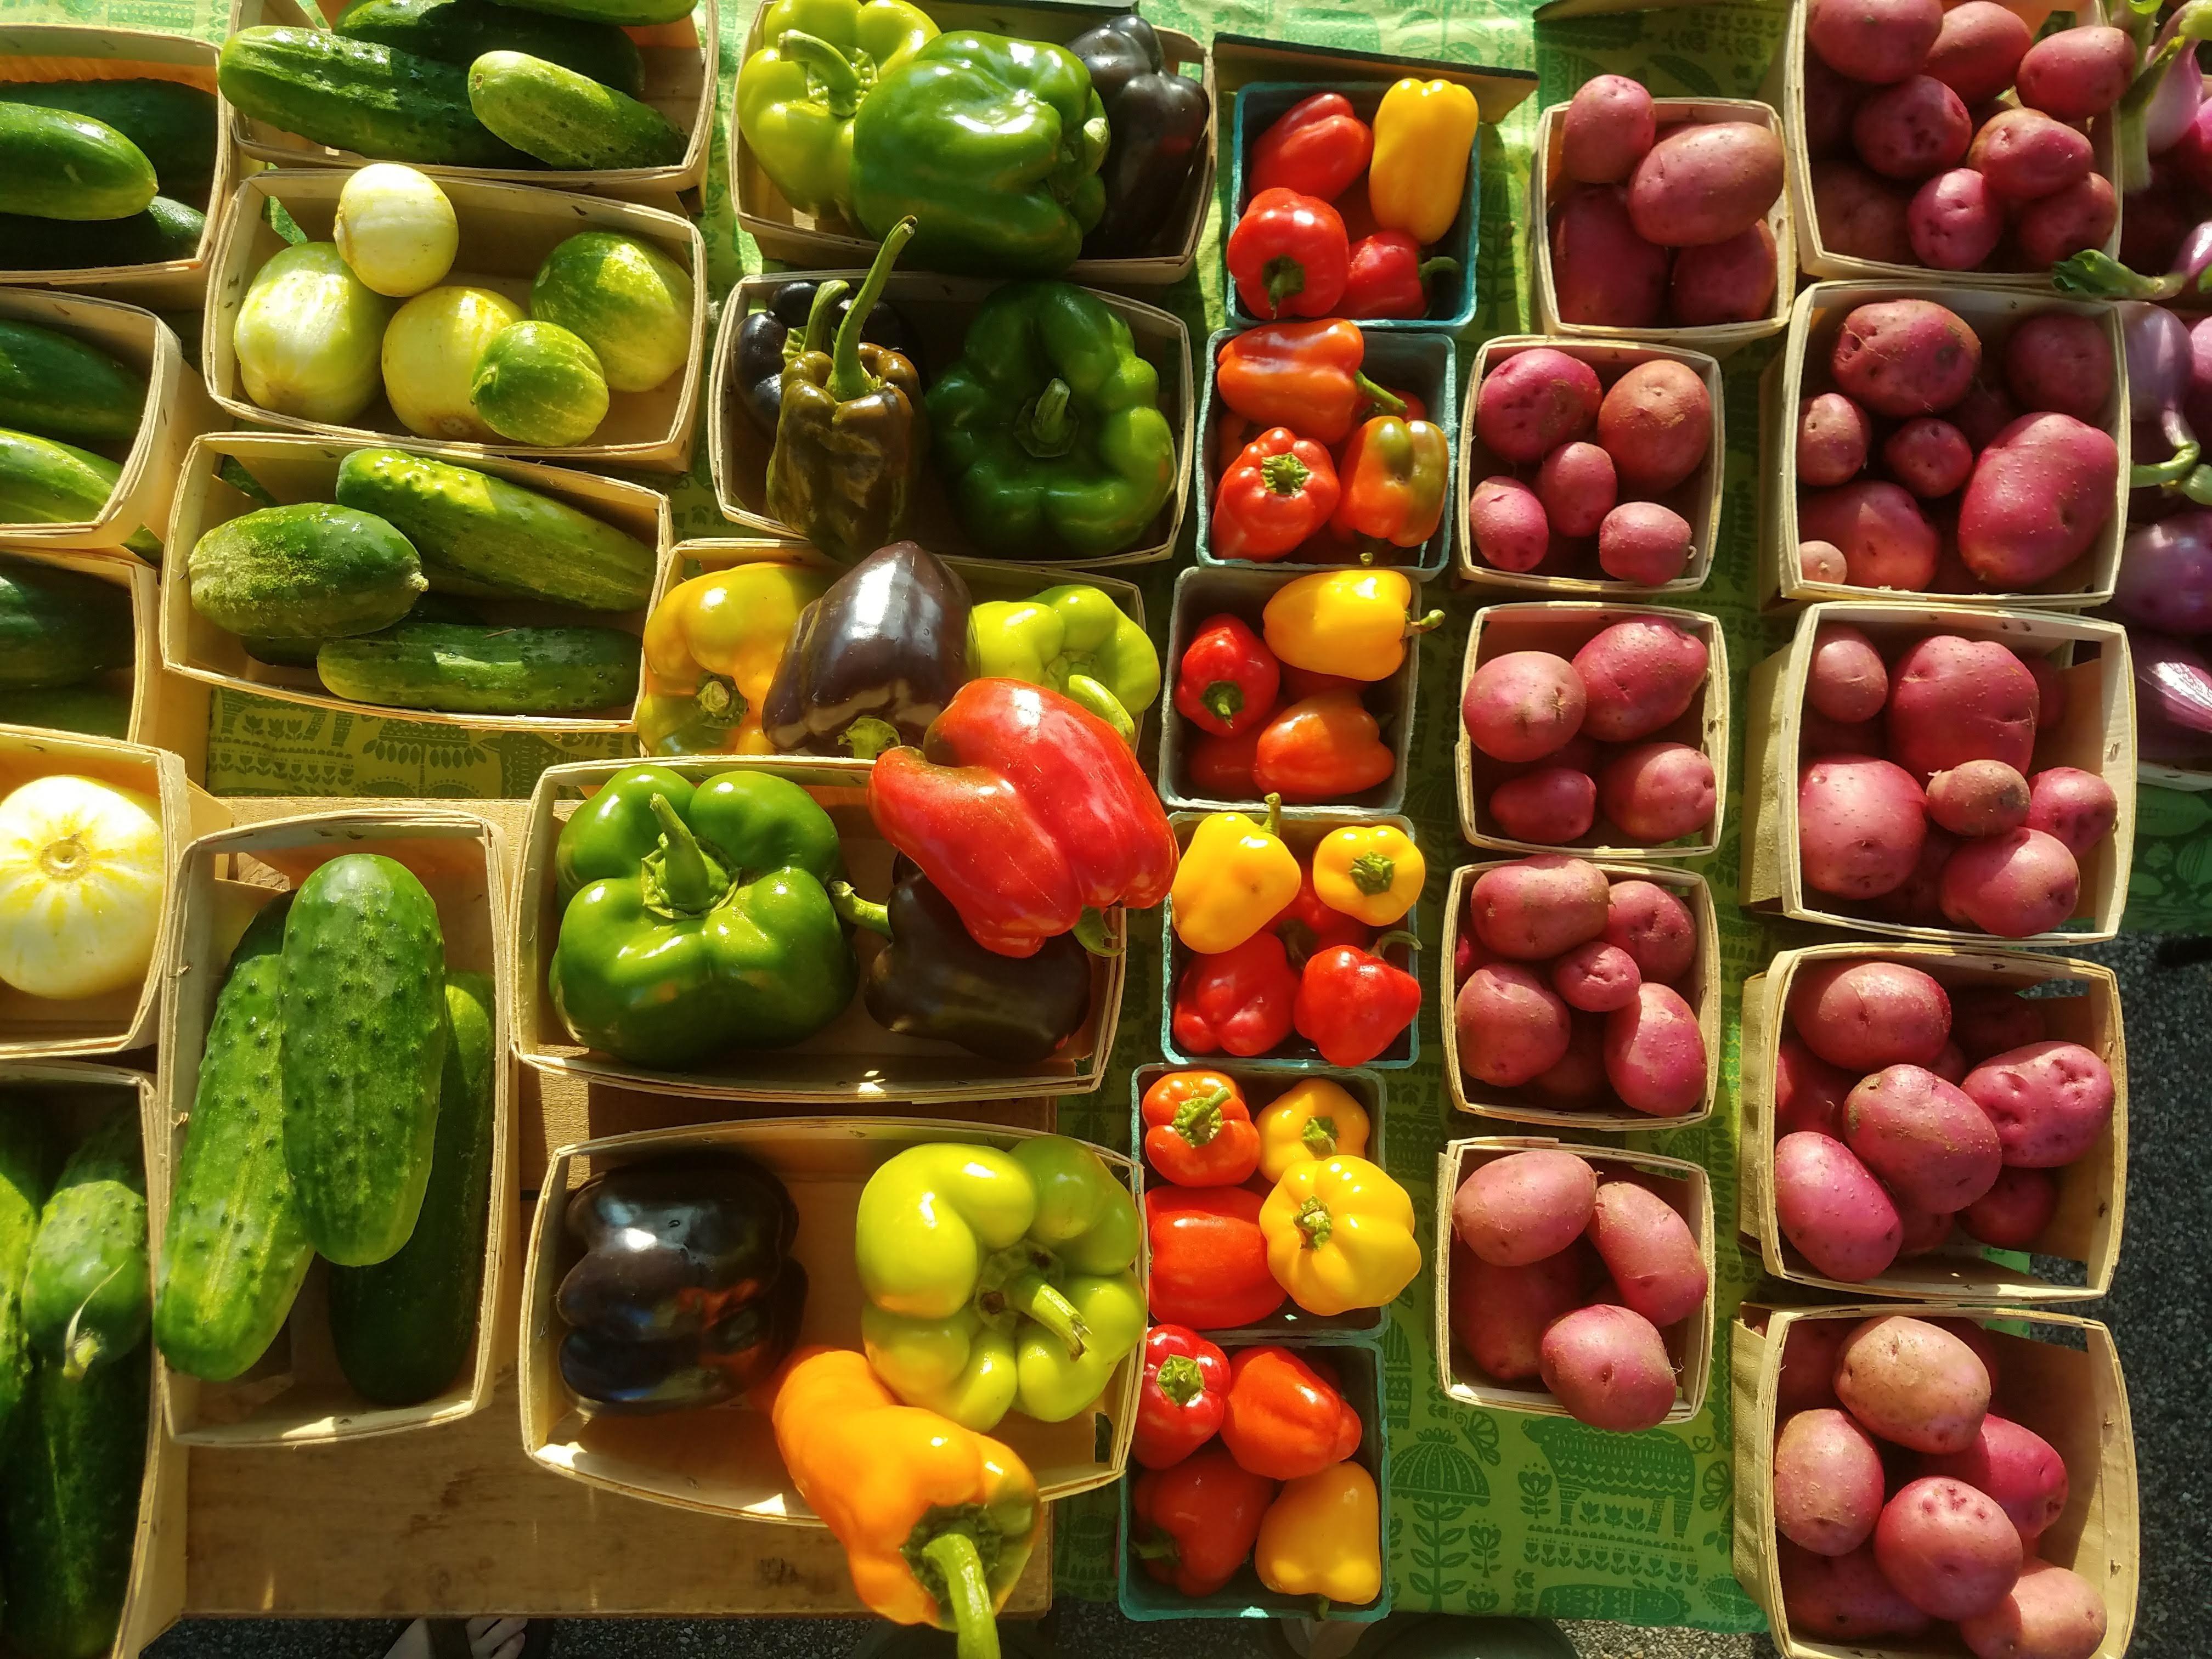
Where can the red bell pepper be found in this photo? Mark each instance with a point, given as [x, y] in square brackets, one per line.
[1197, 1522]
[1279, 492]
[1180, 1402]
[1352, 1004]
[1209, 1258]
[1394, 476]
[1325, 748]
[1236, 1001]
[1199, 1130]
[1285, 1418]
[1317, 147]
[1028, 812]
[1289, 256]
[1221, 768]
[1388, 278]
[1299, 684]
[1305, 925]
[1302, 376]
[1227, 679]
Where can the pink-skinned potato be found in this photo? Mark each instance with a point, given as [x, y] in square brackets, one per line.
[2014, 885]
[1508, 522]
[1878, 41]
[1538, 908]
[2013, 1214]
[1705, 183]
[1917, 901]
[1905, 357]
[1603, 272]
[1926, 1139]
[1596, 978]
[1861, 825]
[1979, 1343]
[1831, 99]
[1643, 542]
[2059, 362]
[1988, 1020]
[1650, 1252]
[2050, 1613]
[2067, 222]
[1846, 680]
[2050, 1102]
[1833, 439]
[1609, 1367]
[1925, 1231]
[1928, 456]
[1524, 1206]
[2016, 1466]
[1806, 1379]
[1954, 700]
[1522, 705]
[1983, 412]
[1808, 1092]
[1978, 49]
[1828, 1482]
[1954, 219]
[1655, 1054]
[1608, 126]
[1510, 1024]
[1656, 422]
[1822, 562]
[1861, 215]
[2026, 154]
[1638, 677]
[1579, 486]
[1500, 1315]
[1832, 1210]
[1656, 792]
[1950, 1063]
[1842, 1598]
[1533, 402]
[1722, 282]
[1885, 538]
[2077, 807]
[1912, 130]
[1578, 1080]
[2076, 74]
[1551, 806]
[1913, 1383]
[1979, 798]
[1948, 1549]
[1862, 1016]
[1654, 926]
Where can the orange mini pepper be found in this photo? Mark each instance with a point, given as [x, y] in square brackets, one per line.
[1199, 1132]
[1302, 376]
[1325, 748]
[1285, 1418]
[1392, 480]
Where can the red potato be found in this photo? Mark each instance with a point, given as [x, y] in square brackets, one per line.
[1846, 679]
[1834, 437]
[1886, 541]
[1508, 522]
[2058, 363]
[1929, 456]
[1638, 677]
[1876, 40]
[2013, 885]
[1979, 797]
[1608, 126]
[1913, 1383]
[1864, 1016]
[1861, 825]
[2013, 1214]
[1905, 357]
[1722, 283]
[1912, 130]
[1955, 221]
[2026, 154]
[1551, 806]
[1510, 1024]
[1656, 422]
[1603, 272]
[1978, 1342]
[1978, 49]
[2067, 222]
[1860, 216]
[2050, 1102]
[1538, 908]
[1925, 1231]
[1808, 1092]
[1643, 542]
[1948, 1549]
[1806, 1381]
[1596, 977]
[1655, 1054]
[2077, 74]
[1990, 1020]
[1705, 183]
[1655, 928]
[1578, 485]
[2079, 808]
[1832, 1210]
[1950, 1063]
[2049, 1612]
[1830, 102]
[1842, 1598]
[1954, 699]
[1649, 1251]
[1821, 561]
[1657, 792]
[1500, 1315]
[1535, 401]
[1919, 899]
[1578, 1080]
[1608, 1366]
[1926, 1139]
[1828, 1482]
[1524, 1206]
[1983, 412]
[1522, 705]
[2050, 692]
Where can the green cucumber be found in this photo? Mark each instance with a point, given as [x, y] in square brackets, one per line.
[461, 31]
[45, 482]
[167, 231]
[54, 165]
[358, 95]
[233, 1252]
[85, 1290]
[569, 120]
[59, 627]
[628, 301]
[96, 711]
[402, 1329]
[25, 1161]
[301, 654]
[57, 386]
[483, 537]
[539, 384]
[263, 935]
[175, 125]
[485, 671]
[630, 14]
[364, 1017]
[311, 571]
[68, 1509]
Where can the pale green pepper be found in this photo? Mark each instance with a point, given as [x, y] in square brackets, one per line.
[1075, 639]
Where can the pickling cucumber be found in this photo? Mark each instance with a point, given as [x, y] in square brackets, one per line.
[85, 1290]
[485, 671]
[461, 31]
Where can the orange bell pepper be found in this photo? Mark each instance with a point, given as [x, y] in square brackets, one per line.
[1198, 1130]
[1325, 748]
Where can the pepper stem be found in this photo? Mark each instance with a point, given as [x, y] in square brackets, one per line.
[1314, 1221]
[1398, 936]
[1046, 428]
[1198, 1120]
[1319, 1136]
[1430, 268]
[1285, 474]
[1274, 824]
[1224, 700]
[1377, 397]
[824, 62]
[1088, 693]
[689, 880]
[822, 315]
[1180, 1379]
[967, 1598]
[1423, 624]
[868, 737]
[1159, 1548]
[1282, 276]
[1372, 874]
[848, 376]
[1089, 931]
[1033, 1296]
[860, 912]
[720, 701]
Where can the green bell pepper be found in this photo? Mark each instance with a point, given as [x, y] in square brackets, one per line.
[1073, 639]
[798, 94]
[997, 1281]
[696, 920]
[1049, 431]
[993, 145]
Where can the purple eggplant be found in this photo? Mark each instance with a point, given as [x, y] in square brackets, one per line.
[2162, 371]
[2166, 576]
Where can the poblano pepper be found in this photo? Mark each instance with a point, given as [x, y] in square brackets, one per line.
[798, 94]
[998, 1280]
[1075, 639]
[699, 920]
[1050, 438]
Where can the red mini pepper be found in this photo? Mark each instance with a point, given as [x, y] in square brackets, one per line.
[1325, 748]
[1199, 1130]
[1197, 1522]
[1279, 492]
[1352, 1004]
[1302, 376]
[1221, 768]
[1289, 256]
[1286, 1418]
[1317, 147]
[1209, 1258]
[1388, 278]
[1395, 475]
[1305, 925]
[1236, 1001]
[1299, 684]
[1028, 812]
[1181, 1400]
[1227, 680]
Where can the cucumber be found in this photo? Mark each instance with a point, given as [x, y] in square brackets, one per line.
[312, 571]
[172, 123]
[68, 1509]
[364, 1015]
[539, 384]
[301, 654]
[57, 386]
[481, 535]
[234, 1251]
[59, 627]
[85, 1290]
[569, 120]
[54, 165]
[358, 95]
[483, 670]
[263, 935]
[630, 14]
[402, 1329]
[461, 31]
[167, 230]
[97, 711]
[25, 1161]
[627, 299]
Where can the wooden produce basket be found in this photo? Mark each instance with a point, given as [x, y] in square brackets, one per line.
[1800, 370]
[2092, 1190]
[84, 51]
[177, 411]
[295, 469]
[1547, 185]
[2056, 1374]
[1697, 498]
[800, 240]
[725, 1461]
[1563, 628]
[679, 81]
[1524, 1105]
[37, 1027]
[2097, 735]
[853, 1060]
[1689, 1341]
[296, 1394]
[1420, 363]
[141, 680]
[506, 231]
[940, 309]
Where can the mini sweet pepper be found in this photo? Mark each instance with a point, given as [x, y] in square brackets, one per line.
[1240, 1002]
[1196, 1522]
[1312, 1119]
[1180, 1402]
[1317, 147]
[712, 646]
[1220, 769]
[1306, 376]
[1394, 477]
[1307, 926]
[1075, 639]
[1388, 278]
[1352, 1004]
[1232, 879]
[1325, 748]
[1340, 1235]
[1277, 493]
[1227, 680]
[1209, 1267]
[1353, 622]
[1322, 1537]
[1286, 1416]
[1289, 256]
[1198, 1130]
[1370, 870]
[1424, 135]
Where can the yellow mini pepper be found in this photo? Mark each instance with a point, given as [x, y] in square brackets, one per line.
[1315, 1119]
[1424, 142]
[1235, 878]
[712, 647]
[1340, 1235]
[1372, 871]
[1351, 623]
[1322, 1536]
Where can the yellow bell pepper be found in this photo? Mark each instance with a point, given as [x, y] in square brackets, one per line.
[1351, 623]
[1340, 1235]
[712, 647]
[1424, 144]
[1322, 1536]
[1234, 880]
[1373, 871]
[1315, 1119]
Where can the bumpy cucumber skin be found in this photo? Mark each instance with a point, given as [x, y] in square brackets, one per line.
[364, 1015]
[167, 230]
[568, 121]
[461, 31]
[173, 124]
[59, 627]
[312, 571]
[539, 384]
[57, 165]
[26, 1162]
[87, 1290]
[43, 481]
[402, 1329]
[234, 1251]
[356, 94]
[485, 671]
[58, 387]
